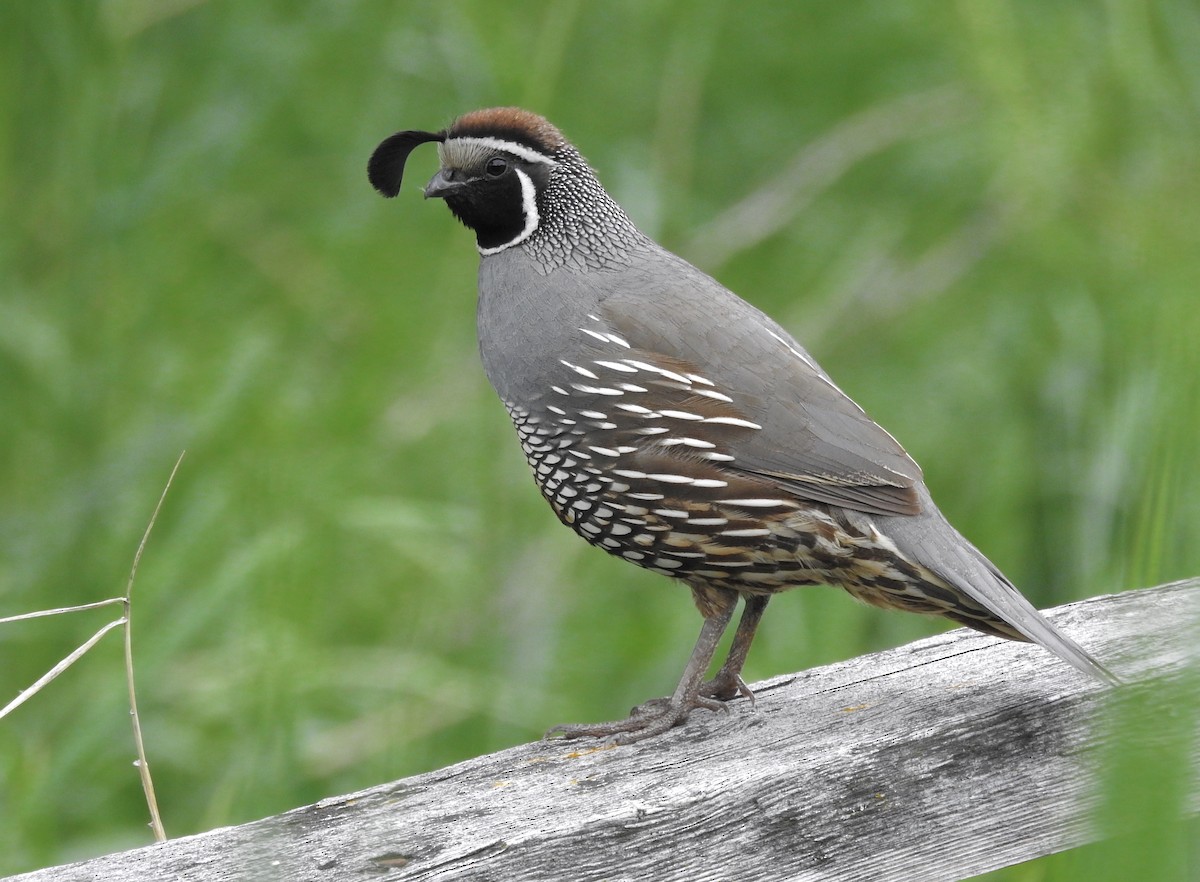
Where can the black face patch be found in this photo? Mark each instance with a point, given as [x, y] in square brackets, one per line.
[491, 206]
[494, 165]
[492, 191]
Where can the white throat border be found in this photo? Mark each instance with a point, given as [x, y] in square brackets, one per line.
[528, 208]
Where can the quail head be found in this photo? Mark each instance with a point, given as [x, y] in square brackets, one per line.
[672, 424]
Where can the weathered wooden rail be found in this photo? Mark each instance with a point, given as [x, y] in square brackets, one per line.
[935, 761]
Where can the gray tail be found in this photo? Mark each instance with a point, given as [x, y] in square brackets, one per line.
[930, 540]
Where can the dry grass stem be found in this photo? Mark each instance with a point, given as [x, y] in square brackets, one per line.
[143, 766]
[25, 694]
[61, 610]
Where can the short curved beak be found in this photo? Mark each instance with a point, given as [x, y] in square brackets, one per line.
[442, 185]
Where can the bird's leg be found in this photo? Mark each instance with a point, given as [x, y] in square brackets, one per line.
[657, 716]
[728, 681]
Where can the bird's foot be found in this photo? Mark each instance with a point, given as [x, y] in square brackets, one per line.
[645, 721]
[725, 686]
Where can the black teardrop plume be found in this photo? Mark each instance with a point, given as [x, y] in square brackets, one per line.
[385, 169]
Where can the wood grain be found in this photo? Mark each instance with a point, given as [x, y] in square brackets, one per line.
[935, 761]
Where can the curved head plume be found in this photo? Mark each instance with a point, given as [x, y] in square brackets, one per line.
[511, 125]
[385, 169]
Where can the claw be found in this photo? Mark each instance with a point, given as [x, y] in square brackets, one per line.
[745, 691]
[726, 686]
[645, 721]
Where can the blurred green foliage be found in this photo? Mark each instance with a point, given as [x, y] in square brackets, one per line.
[988, 232]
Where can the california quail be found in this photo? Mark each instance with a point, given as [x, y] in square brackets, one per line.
[670, 423]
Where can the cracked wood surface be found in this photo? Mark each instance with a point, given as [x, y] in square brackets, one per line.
[938, 760]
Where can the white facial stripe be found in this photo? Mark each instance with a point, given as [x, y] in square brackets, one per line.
[528, 207]
[511, 147]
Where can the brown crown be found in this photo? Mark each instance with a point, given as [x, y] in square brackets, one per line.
[509, 124]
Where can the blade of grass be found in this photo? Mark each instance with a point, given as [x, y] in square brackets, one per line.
[41, 681]
[61, 610]
[143, 766]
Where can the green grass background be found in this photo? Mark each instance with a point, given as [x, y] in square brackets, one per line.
[991, 239]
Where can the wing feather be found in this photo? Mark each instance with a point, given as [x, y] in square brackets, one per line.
[813, 441]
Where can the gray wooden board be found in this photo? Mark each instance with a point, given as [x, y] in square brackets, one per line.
[935, 761]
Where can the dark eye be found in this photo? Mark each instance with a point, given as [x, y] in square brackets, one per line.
[496, 166]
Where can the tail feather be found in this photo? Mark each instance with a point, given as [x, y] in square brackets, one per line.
[929, 540]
